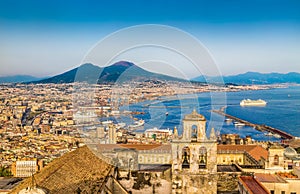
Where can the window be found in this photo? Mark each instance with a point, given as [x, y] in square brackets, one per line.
[186, 157]
[293, 193]
[272, 192]
[282, 192]
[276, 160]
[202, 157]
[194, 132]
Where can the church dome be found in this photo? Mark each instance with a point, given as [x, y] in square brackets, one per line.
[290, 152]
[194, 116]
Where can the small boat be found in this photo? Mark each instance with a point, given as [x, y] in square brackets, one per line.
[268, 134]
[237, 124]
[228, 120]
[137, 124]
[115, 112]
[120, 125]
[167, 113]
[277, 136]
[107, 122]
[126, 112]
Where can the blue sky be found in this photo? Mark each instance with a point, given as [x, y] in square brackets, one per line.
[43, 38]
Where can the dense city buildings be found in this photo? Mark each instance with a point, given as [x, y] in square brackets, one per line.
[52, 134]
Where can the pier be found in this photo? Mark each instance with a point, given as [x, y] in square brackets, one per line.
[284, 135]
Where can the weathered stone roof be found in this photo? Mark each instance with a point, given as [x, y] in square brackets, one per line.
[228, 168]
[276, 147]
[76, 170]
[194, 116]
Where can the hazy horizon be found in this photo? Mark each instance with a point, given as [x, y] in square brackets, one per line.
[44, 39]
[64, 71]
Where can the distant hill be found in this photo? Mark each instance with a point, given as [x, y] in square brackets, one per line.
[18, 79]
[121, 71]
[254, 78]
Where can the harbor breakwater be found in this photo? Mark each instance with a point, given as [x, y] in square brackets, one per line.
[264, 128]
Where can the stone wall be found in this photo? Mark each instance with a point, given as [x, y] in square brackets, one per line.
[148, 182]
[228, 182]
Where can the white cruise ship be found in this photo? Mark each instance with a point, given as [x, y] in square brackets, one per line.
[249, 102]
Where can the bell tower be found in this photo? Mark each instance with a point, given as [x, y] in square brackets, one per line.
[194, 158]
[194, 127]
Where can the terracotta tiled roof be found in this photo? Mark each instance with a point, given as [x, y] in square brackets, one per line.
[252, 185]
[255, 151]
[259, 152]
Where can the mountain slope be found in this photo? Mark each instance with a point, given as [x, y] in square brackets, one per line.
[85, 73]
[124, 71]
[255, 78]
[121, 71]
[18, 79]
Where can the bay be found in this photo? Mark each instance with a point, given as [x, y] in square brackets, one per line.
[282, 111]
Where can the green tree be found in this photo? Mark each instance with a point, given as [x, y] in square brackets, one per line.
[5, 172]
[154, 136]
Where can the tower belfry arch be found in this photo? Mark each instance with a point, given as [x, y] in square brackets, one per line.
[194, 125]
[194, 157]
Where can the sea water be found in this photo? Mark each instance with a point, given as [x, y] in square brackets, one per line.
[282, 111]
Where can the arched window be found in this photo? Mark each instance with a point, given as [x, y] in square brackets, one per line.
[141, 159]
[194, 134]
[186, 157]
[276, 160]
[202, 157]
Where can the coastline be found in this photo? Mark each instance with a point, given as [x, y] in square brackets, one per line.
[228, 129]
[225, 90]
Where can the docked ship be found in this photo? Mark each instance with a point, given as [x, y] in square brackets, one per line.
[137, 124]
[249, 102]
[107, 122]
[238, 124]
